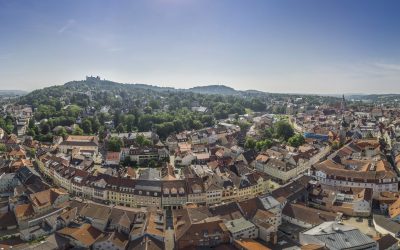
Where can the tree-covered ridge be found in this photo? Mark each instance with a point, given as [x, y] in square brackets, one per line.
[214, 89]
[95, 106]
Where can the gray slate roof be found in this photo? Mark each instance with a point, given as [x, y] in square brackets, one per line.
[339, 236]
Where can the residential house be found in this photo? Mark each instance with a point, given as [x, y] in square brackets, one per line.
[113, 158]
[83, 236]
[98, 215]
[195, 227]
[112, 241]
[241, 229]
[306, 217]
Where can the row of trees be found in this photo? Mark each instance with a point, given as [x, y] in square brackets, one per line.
[281, 131]
[114, 144]
[7, 124]
[131, 109]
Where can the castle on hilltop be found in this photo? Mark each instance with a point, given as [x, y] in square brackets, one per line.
[93, 78]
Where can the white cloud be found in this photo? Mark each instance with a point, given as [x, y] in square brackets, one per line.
[388, 66]
[70, 23]
[335, 78]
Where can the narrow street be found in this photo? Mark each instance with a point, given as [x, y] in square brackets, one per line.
[169, 239]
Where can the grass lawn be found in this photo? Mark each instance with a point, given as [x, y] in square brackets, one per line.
[248, 111]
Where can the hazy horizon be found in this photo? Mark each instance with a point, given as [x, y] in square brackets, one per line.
[287, 46]
[242, 89]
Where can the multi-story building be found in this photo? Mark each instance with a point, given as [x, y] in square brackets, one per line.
[161, 191]
[349, 201]
[307, 217]
[86, 144]
[8, 181]
[113, 158]
[142, 155]
[198, 228]
[22, 125]
[174, 194]
[358, 164]
[196, 193]
[284, 165]
[130, 138]
[46, 200]
[334, 235]
[241, 229]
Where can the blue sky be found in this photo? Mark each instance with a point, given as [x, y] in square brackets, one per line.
[308, 46]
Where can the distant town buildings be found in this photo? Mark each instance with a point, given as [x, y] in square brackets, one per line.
[207, 187]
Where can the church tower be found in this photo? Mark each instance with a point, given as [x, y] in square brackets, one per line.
[343, 131]
[343, 104]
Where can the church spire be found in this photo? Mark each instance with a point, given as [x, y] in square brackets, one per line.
[343, 104]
